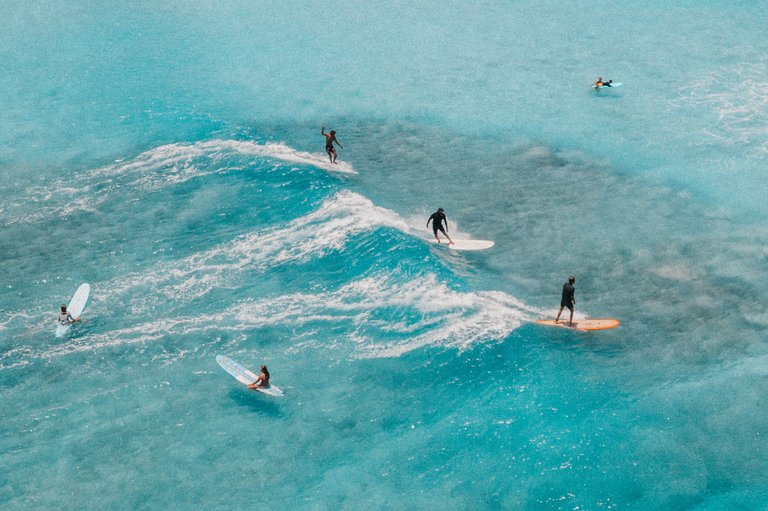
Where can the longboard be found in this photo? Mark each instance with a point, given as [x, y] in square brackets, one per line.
[465, 244]
[245, 376]
[584, 325]
[76, 307]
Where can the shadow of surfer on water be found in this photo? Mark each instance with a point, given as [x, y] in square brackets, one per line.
[255, 402]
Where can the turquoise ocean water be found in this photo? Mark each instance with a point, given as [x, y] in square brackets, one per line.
[169, 154]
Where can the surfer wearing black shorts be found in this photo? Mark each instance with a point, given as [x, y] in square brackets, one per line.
[330, 138]
[437, 218]
[568, 298]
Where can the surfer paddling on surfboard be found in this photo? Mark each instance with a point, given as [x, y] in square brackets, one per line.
[568, 299]
[330, 138]
[600, 83]
[437, 218]
[262, 380]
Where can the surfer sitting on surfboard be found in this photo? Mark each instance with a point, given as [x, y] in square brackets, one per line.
[437, 218]
[262, 380]
[600, 83]
[65, 318]
[568, 299]
[330, 138]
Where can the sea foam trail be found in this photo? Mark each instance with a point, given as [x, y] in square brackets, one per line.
[447, 319]
[179, 282]
[158, 168]
[178, 157]
[281, 151]
[322, 231]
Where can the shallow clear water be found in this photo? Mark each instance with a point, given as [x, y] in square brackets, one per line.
[171, 157]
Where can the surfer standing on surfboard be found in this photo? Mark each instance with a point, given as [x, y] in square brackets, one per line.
[330, 138]
[262, 380]
[437, 218]
[568, 299]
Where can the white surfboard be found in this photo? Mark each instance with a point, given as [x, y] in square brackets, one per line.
[245, 376]
[75, 307]
[465, 244]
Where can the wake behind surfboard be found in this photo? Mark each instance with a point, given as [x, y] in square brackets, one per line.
[583, 325]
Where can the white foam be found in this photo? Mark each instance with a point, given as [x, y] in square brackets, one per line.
[738, 96]
[163, 166]
[674, 271]
[8, 317]
[177, 160]
[448, 319]
[281, 151]
[325, 230]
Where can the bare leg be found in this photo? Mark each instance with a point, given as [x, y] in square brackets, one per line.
[450, 241]
[558, 314]
[571, 321]
[334, 156]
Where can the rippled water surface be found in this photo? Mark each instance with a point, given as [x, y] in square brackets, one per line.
[170, 155]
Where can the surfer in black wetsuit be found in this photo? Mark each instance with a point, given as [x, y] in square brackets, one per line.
[437, 218]
[330, 138]
[600, 83]
[568, 299]
[263, 379]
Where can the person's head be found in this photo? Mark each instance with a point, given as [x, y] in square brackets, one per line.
[440, 210]
[571, 279]
[264, 370]
[333, 132]
[63, 307]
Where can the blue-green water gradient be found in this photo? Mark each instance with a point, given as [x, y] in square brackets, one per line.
[169, 153]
